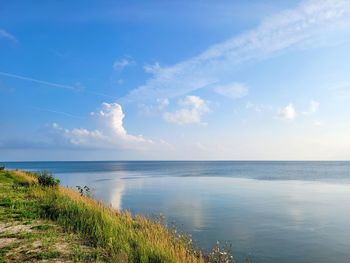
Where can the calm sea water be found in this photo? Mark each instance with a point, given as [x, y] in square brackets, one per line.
[268, 211]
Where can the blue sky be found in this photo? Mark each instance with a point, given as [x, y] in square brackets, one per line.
[257, 80]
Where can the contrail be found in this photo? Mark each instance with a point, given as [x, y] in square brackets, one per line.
[52, 84]
[57, 112]
[37, 81]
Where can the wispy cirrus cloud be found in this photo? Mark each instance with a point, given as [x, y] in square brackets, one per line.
[232, 90]
[6, 35]
[293, 28]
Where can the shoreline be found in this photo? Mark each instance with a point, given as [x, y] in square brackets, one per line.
[111, 235]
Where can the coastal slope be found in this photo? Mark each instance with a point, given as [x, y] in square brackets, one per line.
[39, 221]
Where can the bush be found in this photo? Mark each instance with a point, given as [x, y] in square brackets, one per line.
[47, 179]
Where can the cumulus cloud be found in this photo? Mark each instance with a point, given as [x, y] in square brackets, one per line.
[295, 28]
[232, 90]
[193, 108]
[288, 112]
[110, 131]
[6, 35]
[77, 136]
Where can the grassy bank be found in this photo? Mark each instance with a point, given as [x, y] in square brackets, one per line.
[108, 235]
[26, 236]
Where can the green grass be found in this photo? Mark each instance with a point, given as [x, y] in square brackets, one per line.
[33, 238]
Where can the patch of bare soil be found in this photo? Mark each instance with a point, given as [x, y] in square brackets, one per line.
[6, 241]
[30, 243]
[14, 228]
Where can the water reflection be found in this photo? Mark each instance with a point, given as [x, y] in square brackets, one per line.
[190, 209]
[115, 197]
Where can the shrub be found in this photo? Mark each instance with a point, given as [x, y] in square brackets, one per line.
[47, 179]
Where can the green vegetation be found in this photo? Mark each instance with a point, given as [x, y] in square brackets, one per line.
[25, 236]
[75, 227]
[47, 179]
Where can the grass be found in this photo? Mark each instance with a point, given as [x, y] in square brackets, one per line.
[25, 236]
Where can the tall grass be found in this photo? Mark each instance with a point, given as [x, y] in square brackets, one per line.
[123, 238]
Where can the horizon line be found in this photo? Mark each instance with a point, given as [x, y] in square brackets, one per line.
[175, 160]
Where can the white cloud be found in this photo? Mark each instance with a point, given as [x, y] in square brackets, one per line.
[232, 90]
[153, 109]
[119, 65]
[110, 131]
[288, 112]
[193, 107]
[6, 35]
[78, 136]
[162, 103]
[293, 28]
[152, 69]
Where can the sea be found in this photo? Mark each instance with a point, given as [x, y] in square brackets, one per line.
[265, 211]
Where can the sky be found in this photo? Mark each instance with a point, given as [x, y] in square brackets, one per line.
[175, 80]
